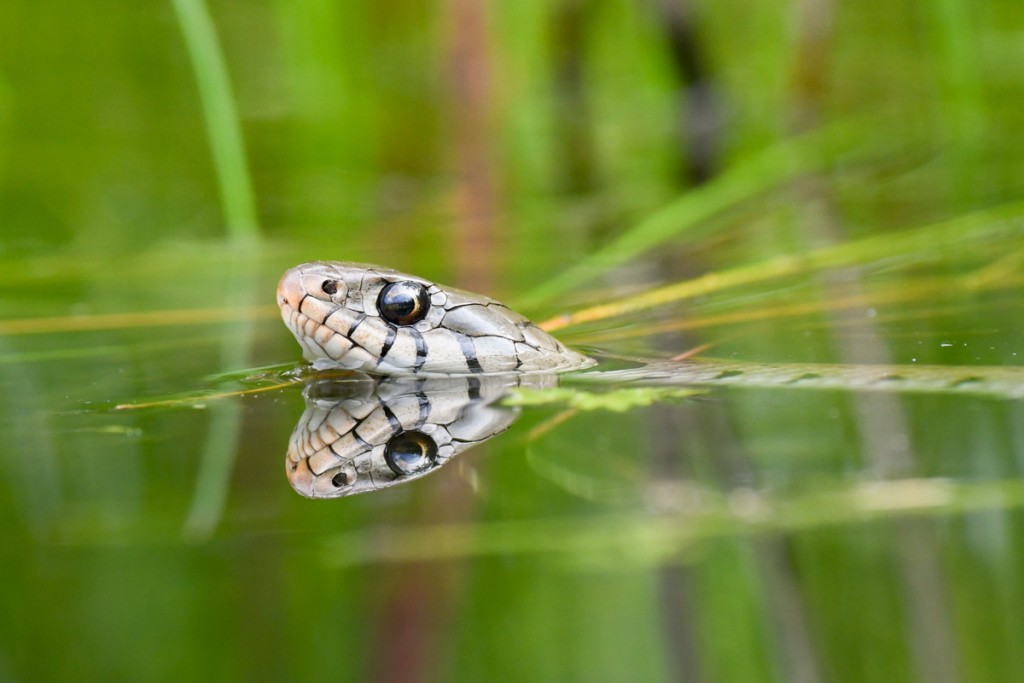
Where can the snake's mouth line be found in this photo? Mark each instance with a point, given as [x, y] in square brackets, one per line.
[296, 321]
[305, 328]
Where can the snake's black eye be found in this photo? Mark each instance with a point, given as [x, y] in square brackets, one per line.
[403, 303]
[410, 452]
[340, 479]
[330, 287]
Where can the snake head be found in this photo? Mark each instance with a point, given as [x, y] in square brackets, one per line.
[385, 322]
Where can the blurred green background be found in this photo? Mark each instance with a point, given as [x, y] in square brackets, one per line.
[837, 182]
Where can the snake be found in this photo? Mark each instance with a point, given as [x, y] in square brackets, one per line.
[384, 322]
[430, 362]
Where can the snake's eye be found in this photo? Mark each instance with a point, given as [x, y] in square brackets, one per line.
[403, 303]
[410, 452]
[340, 479]
[330, 287]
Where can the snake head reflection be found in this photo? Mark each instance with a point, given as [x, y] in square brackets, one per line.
[362, 434]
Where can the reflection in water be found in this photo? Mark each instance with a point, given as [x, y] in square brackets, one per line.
[360, 433]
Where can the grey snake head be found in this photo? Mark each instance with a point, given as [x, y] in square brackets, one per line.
[385, 322]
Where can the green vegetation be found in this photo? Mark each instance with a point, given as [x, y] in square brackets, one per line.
[815, 182]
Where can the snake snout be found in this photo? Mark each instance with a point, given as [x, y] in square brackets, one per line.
[290, 290]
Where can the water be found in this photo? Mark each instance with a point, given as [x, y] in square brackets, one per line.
[795, 515]
[148, 497]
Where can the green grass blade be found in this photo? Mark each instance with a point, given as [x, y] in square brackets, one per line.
[690, 214]
[226, 144]
[221, 118]
[224, 432]
[1003, 224]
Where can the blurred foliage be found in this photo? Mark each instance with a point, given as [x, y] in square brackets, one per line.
[801, 181]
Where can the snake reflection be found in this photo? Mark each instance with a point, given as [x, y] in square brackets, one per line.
[361, 433]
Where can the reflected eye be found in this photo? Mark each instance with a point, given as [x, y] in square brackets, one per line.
[403, 303]
[330, 287]
[340, 479]
[410, 452]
